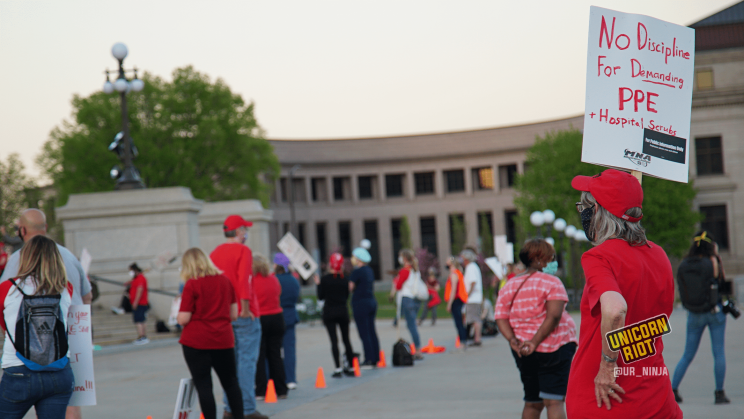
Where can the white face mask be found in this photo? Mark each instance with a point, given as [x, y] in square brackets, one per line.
[401, 261]
[131, 274]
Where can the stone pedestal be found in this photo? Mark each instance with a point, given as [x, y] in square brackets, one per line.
[150, 226]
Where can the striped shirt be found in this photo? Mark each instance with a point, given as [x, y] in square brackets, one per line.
[527, 312]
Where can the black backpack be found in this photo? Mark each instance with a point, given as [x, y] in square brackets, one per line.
[40, 333]
[698, 288]
[402, 356]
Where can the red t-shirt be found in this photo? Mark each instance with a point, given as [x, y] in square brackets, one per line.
[235, 260]
[643, 276]
[402, 277]
[208, 299]
[137, 282]
[268, 290]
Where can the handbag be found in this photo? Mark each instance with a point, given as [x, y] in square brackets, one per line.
[418, 288]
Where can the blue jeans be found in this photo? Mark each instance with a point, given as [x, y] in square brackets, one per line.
[457, 305]
[247, 344]
[409, 308]
[696, 323]
[290, 353]
[365, 312]
[47, 391]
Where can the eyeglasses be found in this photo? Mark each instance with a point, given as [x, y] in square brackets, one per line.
[580, 207]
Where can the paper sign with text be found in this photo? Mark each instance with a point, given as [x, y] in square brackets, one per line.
[80, 342]
[185, 400]
[298, 256]
[639, 76]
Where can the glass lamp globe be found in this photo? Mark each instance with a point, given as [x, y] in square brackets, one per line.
[365, 244]
[550, 240]
[119, 51]
[137, 85]
[571, 231]
[121, 85]
[537, 219]
[581, 236]
[559, 224]
[548, 216]
[108, 87]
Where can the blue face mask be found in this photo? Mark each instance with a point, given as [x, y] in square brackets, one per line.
[551, 268]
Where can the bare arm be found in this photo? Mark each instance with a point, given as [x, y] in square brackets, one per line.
[246, 309]
[714, 260]
[554, 310]
[614, 308]
[508, 333]
[88, 298]
[184, 317]
[233, 312]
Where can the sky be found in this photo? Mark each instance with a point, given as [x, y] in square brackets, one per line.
[315, 69]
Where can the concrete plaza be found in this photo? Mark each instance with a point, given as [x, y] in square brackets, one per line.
[136, 382]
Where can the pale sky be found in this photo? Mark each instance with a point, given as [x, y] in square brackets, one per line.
[315, 69]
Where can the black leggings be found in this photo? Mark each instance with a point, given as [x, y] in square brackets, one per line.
[340, 317]
[200, 363]
[272, 337]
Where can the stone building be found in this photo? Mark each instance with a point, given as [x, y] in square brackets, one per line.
[350, 189]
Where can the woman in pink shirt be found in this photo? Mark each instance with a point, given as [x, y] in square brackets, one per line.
[530, 315]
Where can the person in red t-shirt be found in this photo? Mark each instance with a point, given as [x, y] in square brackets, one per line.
[208, 305]
[235, 260]
[628, 280]
[268, 290]
[409, 305]
[140, 303]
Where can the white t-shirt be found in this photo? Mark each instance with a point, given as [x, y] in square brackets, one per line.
[473, 276]
[10, 304]
[75, 274]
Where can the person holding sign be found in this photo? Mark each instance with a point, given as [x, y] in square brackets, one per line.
[628, 280]
[41, 279]
[208, 306]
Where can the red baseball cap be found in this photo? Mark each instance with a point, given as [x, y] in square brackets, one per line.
[614, 190]
[234, 222]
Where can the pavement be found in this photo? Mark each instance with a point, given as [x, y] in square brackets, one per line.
[136, 382]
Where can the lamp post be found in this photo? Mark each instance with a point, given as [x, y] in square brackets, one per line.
[290, 186]
[537, 219]
[548, 218]
[560, 225]
[129, 177]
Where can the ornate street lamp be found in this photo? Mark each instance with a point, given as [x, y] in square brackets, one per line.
[128, 177]
[537, 219]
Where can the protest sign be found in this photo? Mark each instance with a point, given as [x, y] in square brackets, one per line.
[298, 256]
[503, 249]
[185, 400]
[85, 260]
[495, 266]
[638, 94]
[80, 341]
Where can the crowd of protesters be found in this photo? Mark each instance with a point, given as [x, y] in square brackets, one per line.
[238, 313]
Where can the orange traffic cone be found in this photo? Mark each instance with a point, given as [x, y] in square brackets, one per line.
[149, 417]
[413, 349]
[202, 416]
[381, 363]
[457, 342]
[320, 380]
[430, 345]
[270, 393]
[357, 370]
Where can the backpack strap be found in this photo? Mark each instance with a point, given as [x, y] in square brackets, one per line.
[517, 292]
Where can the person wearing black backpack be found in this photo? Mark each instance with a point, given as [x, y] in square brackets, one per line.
[35, 362]
[701, 284]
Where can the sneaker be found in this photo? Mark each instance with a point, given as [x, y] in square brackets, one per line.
[418, 357]
[677, 397]
[349, 372]
[291, 386]
[337, 373]
[142, 340]
[117, 310]
[260, 397]
[255, 415]
[368, 365]
[475, 344]
[281, 396]
[721, 397]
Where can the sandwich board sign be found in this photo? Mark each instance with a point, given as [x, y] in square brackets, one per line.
[300, 259]
[80, 343]
[186, 400]
[638, 94]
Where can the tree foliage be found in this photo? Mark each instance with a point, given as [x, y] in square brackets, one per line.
[555, 159]
[189, 132]
[459, 233]
[486, 237]
[405, 234]
[13, 185]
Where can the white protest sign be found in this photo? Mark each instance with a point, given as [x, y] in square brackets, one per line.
[81, 355]
[495, 266]
[638, 94]
[298, 256]
[185, 400]
[503, 249]
[175, 308]
[85, 260]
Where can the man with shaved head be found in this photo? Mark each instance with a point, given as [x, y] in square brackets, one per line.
[31, 224]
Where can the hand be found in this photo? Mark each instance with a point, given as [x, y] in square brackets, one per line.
[246, 312]
[391, 298]
[316, 279]
[516, 346]
[528, 347]
[449, 307]
[605, 386]
[134, 307]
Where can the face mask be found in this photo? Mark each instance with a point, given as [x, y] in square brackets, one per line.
[586, 222]
[551, 268]
[131, 274]
[400, 260]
